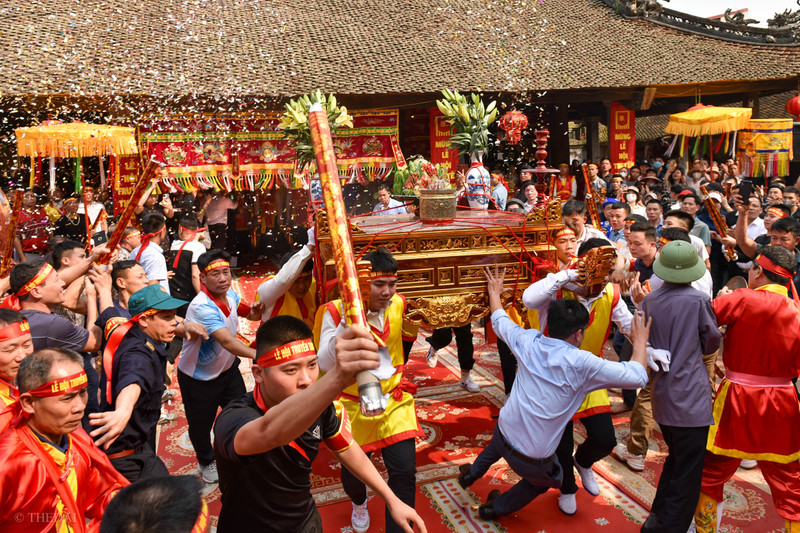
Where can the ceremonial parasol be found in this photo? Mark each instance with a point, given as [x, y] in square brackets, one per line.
[700, 120]
[75, 139]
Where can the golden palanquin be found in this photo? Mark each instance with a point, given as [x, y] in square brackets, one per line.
[441, 265]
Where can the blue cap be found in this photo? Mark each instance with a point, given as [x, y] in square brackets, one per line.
[609, 201]
[152, 297]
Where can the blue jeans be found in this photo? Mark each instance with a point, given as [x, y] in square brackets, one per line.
[536, 479]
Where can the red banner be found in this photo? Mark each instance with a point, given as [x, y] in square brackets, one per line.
[622, 136]
[441, 153]
[125, 169]
[249, 154]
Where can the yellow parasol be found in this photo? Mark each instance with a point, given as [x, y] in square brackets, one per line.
[76, 139]
[708, 120]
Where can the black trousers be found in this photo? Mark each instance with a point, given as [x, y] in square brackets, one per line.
[466, 351]
[219, 236]
[201, 399]
[144, 464]
[679, 486]
[400, 461]
[624, 350]
[600, 441]
[508, 365]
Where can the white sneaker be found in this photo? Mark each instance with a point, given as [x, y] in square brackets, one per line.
[209, 473]
[634, 462]
[568, 504]
[588, 480]
[360, 518]
[167, 417]
[168, 395]
[748, 464]
[470, 385]
[432, 358]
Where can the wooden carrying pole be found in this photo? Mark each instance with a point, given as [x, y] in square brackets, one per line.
[369, 387]
[150, 173]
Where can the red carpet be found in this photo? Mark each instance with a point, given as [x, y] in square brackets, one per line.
[457, 426]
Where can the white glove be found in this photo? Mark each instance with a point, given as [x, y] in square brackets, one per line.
[656, 356]
[311, 240]
[572, 274]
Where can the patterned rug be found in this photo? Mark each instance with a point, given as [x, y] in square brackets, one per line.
[457, 425]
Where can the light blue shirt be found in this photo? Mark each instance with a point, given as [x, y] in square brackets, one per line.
[500, 195]
[553, 377]
[153, 263]
[616, 236]
[205, 360]
[386, 211]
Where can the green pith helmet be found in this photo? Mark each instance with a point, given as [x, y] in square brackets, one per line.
[678, 262]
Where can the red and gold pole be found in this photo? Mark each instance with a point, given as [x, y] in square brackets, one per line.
[149, 174]
[369, 387]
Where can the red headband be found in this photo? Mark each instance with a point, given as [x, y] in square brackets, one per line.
[378, 275]
[12, 302]
[15, 330]
[216, 264]
[767, 264]
[288, 352]
[566, 230]
[777, 212]
[61, 386]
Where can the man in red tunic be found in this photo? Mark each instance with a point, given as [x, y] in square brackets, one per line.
[53, 477]
[566, 186]
[756, 412]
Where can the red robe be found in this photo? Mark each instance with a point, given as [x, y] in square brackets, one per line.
[758, 422]
[564, 189]
[28, 497]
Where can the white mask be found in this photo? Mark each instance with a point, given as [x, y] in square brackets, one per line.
[630, 197]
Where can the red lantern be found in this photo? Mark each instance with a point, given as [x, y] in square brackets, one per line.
[513, 123]
[793, 107]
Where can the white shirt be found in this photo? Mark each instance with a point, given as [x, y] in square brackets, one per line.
[205, 360]
[326, 352]
[704, 284]
[388, 211]
[94, 211]
[699, 247]
[754, 229]
[539, 295]
[153, 263]
[195, 248]
[553, 378]
[271, 290]
[590, 233]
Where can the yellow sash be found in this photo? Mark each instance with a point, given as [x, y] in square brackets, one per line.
[399, 421]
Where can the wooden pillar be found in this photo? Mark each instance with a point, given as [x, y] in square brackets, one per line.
[592, 138]
[559, 136]
[753, 100]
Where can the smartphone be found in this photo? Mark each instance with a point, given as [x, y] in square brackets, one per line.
[745, 190]
[99, 238]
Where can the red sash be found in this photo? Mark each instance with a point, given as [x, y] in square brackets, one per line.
[58, 478]
[263, 406]
[242, 310]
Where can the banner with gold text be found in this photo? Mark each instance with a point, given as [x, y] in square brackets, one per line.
[622, 136]
[441, 153]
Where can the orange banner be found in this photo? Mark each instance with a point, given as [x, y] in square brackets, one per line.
[441, 153]
[622, 136]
